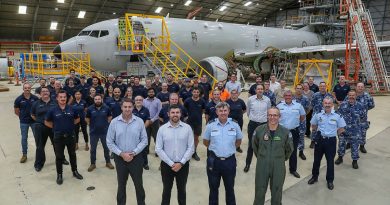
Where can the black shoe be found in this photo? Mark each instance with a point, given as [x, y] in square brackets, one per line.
[362, 149]
[239, 149]
[196, 157]
[146, 167]
[348, 146]
[65, 162]
[312, 180]
[355, 164]
[59, 179]
[330, 185]
[77, 175]
[302, 156]
[38, 169]
[246, 169]
[312, 145]
[155, 155]
[339, 160]
[295, 174]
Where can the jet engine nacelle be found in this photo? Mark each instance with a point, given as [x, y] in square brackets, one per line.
[216, 66]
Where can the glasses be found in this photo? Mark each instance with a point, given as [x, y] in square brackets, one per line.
[270, 115]
[138, 100]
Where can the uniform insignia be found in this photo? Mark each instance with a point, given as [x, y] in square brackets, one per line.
[266, 138]
[277, 138]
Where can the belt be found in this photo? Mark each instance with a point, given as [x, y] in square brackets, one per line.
[327, 137]
[295, 128]
[221, 158]
[65, 135]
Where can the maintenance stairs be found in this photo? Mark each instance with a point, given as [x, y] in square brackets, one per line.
[364, 33]
[162, 55]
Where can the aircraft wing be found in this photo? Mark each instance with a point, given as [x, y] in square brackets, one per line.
[328, 48]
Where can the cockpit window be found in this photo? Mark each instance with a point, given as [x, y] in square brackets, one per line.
[84, 33]
[103, 33]
[94, 34]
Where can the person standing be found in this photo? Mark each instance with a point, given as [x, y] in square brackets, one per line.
[233, 84]
[210, 111]
[237, 110]
[313, 87]
[267, 92]
[340, 90]
[252, 89]
[309, 114]
[186, 91]
[174, 146]
[279, 92]
[274, 85]
[41, 132]
[304, 101]
[119, 84]
[257, 107]
[163, 95]
[325, 126]
[142, 112]
[62, 119]
[317, 103]
[173, 100]
[292, 114]
[195, 107]
[22, 109]
[98, 117]
[272, 145]
[206, 87]
[126, 138]
[156, 83]
[42, 83]
[83, 87]
[222, 137]
[172, 86]
[139, 89]
[353, 114]
[114, 103]
[154, 106]
[368, 103]
[80, 106]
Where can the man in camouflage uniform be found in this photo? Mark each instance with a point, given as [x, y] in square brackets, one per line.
[368, 103]
[353, 113]
[304, 101]
[316, 103]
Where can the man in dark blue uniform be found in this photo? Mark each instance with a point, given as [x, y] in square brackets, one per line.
[80, 106]
[83, 87]
[206, 88]
[122, 86]
[172, 86]
[340, 90]
[173, 100]
[312, 86]
[210, 112]
[142, 112]
[252, 89]
[98, 117]
[139, 89]
[62, 120]
[163, 95]
[22, 108]
[95, 84]
[114, 103]
[237, 110]
[186, 91]
[195, 107]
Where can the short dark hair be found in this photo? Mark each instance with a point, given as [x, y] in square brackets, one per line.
[137, 77]
[44, 87]
[149, 89]
[127, 100]
[173, 107]
[62, 91]
[195, 88]
[71, 70]
[78, 91]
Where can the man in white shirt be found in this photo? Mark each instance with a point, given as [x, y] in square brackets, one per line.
[175, 146]
[273, 84]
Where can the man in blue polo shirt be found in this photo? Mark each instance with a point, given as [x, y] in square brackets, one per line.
[98, 117]
[173, 100]
[62, 120]
[142, 112]
[139, 89]
[210, 112]
[22, 108]
[172, 86]
[114, 103]
[195, 106]
[340, 90]
[83, 87]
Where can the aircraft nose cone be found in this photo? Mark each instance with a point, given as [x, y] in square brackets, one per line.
[57, 51]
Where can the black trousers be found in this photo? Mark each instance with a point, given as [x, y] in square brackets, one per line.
[41, 133]
[293, 158]
[83, 125]
[94, 143]
[151, 131]
[309, 115]
[134, 169]
[327, 147]
[252, 125]
[168, 176]
[60, 142]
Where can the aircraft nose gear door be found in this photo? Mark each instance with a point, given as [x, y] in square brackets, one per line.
[139, 33]
[257, 40]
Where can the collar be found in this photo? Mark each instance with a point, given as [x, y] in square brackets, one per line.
[292, 103]
[219, 122]
[179, 125]
[331, 112]
[257, 98]
[120, 118]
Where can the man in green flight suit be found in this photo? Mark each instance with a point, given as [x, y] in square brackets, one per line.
[272, 145]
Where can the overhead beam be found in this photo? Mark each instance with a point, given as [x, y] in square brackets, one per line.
[99, 11]
[67, 19]
[34, 21]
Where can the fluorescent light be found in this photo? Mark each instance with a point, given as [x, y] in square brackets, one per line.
[56, 9]
[187, 3]
[22, 9]
[81, 15]
[61, 1]
[158, 10]
[53, 25]
[222, 8]
[248, 3]
[171, 5]
[280, 9]
[114, 13]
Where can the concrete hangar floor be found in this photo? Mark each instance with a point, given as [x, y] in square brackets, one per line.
[20, 184]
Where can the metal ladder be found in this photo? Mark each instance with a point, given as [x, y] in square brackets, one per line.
[370, 54]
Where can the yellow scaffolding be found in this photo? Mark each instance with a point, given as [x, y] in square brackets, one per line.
[306, 65]
[159, 49]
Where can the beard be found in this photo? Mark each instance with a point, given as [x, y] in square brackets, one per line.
[98, 104]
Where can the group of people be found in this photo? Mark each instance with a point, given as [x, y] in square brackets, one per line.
[126, 116]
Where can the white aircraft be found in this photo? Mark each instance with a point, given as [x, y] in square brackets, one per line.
[204, 41]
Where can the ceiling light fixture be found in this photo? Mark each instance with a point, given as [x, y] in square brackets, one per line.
[56, 9]
[114, 13]
[248, 3]
[187, 3]
[61, 1]
[222, 8]
[22, 9]
[81, 14]
[53, 25]
[158, 10]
